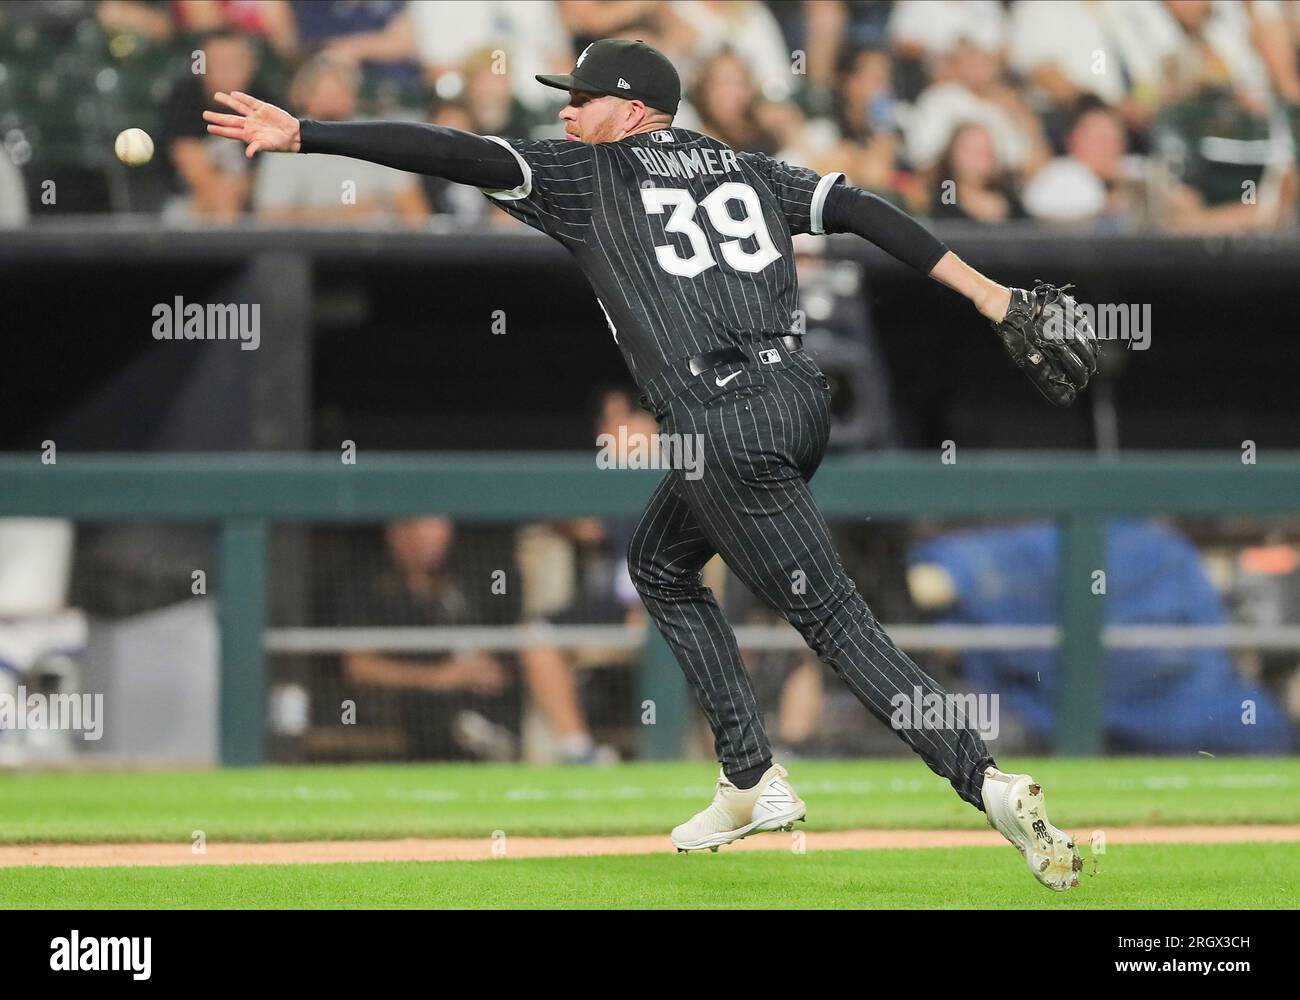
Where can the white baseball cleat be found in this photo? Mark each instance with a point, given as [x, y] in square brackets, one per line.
[1014, 806]
[736, 813]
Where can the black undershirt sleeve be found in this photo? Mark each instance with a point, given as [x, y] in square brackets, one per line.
[436, 150]
[852, 210]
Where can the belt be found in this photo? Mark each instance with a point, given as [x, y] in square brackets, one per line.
[727, 355]
[679, 376]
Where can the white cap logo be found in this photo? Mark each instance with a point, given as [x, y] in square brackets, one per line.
[584, 53]
[623, 84]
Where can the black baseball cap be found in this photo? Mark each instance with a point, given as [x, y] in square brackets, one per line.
[629, 69]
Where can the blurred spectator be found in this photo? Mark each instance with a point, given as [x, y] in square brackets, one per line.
[747, 28]
[375, 34]
[271, 20]
[1208, 46]
[658, 24]
[864, 100]
[924, 33]
[451, 705]
[1095, 179]
[516, 38]
[522, 38]
[13, 200]
[1157, 700]
[1275, 33]
[1075, 47]
[970, 89]
[1231, 160]
[972, 184]
[489, 98]
[864, 113]
[332, 189]
[839, 329]
[42, 639]
[818, 32]
[595, 553]
[211, 175]
[730, 107]
[150, 20]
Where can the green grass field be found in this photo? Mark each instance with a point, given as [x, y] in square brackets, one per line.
[1177, 876]
[317, 803]
[330, 803]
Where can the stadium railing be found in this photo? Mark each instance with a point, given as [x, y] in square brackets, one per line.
[245, 493]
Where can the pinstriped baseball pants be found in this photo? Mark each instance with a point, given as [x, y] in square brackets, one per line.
[763, 436]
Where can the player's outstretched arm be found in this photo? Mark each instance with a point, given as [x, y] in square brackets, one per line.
[1042, 329]
[985, 294]
[423, 149]
[851, 210]
[1047, 336]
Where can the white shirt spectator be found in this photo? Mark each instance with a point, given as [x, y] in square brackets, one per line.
[1065, 190]
[936, 25]
[318, 183]
[748, 29]
[1092, 43]
[1228, 33]
[943, 108]
[13, 200]
[530, 32]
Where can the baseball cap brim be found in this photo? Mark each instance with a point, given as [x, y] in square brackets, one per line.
[565, 81]
[568, 81]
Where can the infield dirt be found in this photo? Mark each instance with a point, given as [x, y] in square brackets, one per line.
[503, 845]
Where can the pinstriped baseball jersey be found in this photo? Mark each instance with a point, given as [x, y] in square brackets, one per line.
[688, 246]
[685, 241]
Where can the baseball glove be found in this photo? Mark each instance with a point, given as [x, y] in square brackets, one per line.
[1050, 340]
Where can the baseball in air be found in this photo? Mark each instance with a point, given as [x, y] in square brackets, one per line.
[133, 147]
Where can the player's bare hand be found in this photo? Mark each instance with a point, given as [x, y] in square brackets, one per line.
[261, 126]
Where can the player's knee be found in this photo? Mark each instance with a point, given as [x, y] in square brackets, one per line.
[640, 562]
[654, 576]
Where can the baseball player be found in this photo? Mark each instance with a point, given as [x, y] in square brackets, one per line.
[687, 244]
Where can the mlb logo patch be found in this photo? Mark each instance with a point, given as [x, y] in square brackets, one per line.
[769, 357]
[662, 136]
